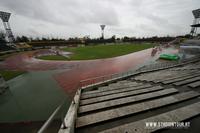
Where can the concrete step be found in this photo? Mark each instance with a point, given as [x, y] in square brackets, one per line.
[175, 76]
[180, 79]
[132, 109]
[187, 81]
[85, 96]
[195, 84]
[126, 100]
[119, 95]
[109, 88]
[176, 115]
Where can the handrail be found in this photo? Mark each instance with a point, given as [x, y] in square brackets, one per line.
[51, 118]
[69, 120]
[66, 124]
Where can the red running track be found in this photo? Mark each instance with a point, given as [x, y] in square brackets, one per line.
[79, 70]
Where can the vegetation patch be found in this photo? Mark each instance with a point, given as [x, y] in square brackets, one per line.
[7, 74]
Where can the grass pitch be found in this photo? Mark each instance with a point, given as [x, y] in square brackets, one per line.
[99, 51]
[105, 51]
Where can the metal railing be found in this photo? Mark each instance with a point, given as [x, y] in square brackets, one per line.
[57, 111]
[50, 119]
[69, 120]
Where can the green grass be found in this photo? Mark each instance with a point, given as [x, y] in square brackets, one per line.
[98, 51]
[7, 75]
[104, 51]
[52, 57]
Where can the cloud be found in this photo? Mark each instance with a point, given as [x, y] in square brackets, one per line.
[68, 18]
[64, 12]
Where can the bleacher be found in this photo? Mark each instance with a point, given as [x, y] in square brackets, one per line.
[156, 93]
[23, 46]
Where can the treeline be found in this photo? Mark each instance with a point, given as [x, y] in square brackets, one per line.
[113, 39]
[87, 40]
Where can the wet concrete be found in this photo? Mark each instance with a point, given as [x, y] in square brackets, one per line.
[32, 96]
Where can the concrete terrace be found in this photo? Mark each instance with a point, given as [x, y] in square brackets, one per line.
[162, 92]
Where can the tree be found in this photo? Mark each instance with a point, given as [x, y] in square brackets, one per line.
[118, 39]
[18, 39]
[113, 38]
[22, 39]
[188, 36]
[37, 39]
[44, 39]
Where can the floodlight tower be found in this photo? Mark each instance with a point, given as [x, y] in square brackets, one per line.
[5, 16]
[196, 22]
[102, 30]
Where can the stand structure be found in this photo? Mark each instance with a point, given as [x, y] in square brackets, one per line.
[5, 16]
[196, 22]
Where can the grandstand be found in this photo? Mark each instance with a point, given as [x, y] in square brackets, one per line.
[5, 16]
[196, 22]
[23, 46]
[48, 44]
[157, 93]
[191, 46]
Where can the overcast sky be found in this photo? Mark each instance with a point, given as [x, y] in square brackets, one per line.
[71, 18]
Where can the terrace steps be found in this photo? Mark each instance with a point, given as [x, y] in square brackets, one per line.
[157, 95]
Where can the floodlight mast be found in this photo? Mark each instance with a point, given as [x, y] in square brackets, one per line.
[196, 22]
[5, 16]
[102, 29]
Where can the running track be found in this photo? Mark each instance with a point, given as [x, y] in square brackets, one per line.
[75, 70]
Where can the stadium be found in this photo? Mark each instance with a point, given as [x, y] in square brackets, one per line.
[103, 84]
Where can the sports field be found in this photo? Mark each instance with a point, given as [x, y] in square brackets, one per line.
[86, 53]
[99, 51]
[105, 51]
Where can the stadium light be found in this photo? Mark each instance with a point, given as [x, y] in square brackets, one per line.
[102, 29]
[5, 16]
[196, 13]
[196, 24]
